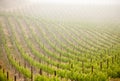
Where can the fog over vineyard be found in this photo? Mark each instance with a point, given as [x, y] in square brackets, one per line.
[59, 40]
[108, 10]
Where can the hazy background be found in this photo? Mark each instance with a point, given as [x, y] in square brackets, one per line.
[85, 10]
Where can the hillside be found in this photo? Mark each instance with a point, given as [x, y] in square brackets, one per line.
[47, 46]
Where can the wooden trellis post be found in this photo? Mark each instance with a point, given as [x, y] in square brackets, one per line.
[7, 75]
[115, 57]
[0, 67]
[3, 70]
[55, 73]
[92, 69]
[107, 63]
[40, 72]
[82, 66]
[100, 65]
[31, 73]
[15, 78]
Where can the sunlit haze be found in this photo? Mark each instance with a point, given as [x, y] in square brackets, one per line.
[94, 2]
[86, 10]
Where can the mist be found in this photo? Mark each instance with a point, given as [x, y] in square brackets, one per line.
[63, 10]
[59, 40]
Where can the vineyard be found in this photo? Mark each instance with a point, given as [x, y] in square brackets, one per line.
[37, 49]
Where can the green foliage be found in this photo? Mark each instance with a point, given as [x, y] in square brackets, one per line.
[41, 78]
[98, 76]
[114, 71]
[69, 60]
[3, 77]
[44, 78]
